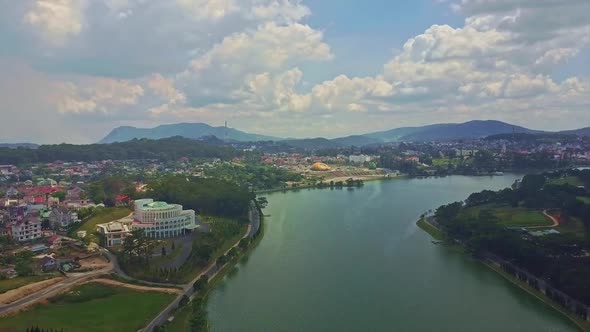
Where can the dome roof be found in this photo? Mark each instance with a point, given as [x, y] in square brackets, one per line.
[320, 167]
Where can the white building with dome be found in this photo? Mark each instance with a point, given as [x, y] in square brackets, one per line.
[163, 220]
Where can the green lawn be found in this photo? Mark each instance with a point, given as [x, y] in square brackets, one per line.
[8, 284]
[230, 230]
[512, 216]
[101, 216]
[181, 322]
[586, 200]
[571, 180]
[573, 226]
[434, 232]
[92, 307]
[443, 162]
[170, 254]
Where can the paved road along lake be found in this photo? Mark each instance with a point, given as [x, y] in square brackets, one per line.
[354, 260]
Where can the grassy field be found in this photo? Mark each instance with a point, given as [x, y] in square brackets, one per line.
[573, 226]
[92, 307]
[443, 162]
[571, 180]
[511, 216]
[102, 216]
[586, 200]
[181, 322]
[8, 284]
[434, 232]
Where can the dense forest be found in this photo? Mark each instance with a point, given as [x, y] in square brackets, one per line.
[560, 259]
[163, 149]
[205, 196]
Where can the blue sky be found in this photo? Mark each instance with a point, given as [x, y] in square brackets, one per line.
[290, 68]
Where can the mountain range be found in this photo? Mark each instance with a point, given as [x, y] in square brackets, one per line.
[435, 132]
[188, 130]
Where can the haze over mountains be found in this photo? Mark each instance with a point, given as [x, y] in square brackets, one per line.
[188, 130]
[435, 132]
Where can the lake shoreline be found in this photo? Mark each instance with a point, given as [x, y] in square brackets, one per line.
[295, 242]
[583, 325]
[367, 179]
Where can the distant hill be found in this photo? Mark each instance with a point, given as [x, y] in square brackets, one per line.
[312, 143]
[435, 132]
[187, 130]
[171, 148]
[578, 132]
[450, 131]
[19, 145]
[356, 140]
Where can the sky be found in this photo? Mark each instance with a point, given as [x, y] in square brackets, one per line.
[72, 70]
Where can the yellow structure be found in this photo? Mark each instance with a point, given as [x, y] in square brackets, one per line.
[320, 167]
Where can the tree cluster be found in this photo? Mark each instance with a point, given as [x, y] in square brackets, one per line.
[206, 196]
[558, 259]
[163, 149]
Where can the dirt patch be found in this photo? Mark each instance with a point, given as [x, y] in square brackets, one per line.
[94, 263]
[136, 287]
[16, 294]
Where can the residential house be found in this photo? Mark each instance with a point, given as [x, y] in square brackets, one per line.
[61, 217]
[11, 192]
[26, 229]
[74, 194]
[47, 263]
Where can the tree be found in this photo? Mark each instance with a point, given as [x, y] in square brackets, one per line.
[262, 202]
[200, 284]
[110, 201]
[23, 268]
[203, 252]
[61, 195]
[184, 300]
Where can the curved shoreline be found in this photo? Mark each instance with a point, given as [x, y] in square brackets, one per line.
[221, 273]
[583, 325]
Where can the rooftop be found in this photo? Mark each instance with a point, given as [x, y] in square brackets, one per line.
[157, 205]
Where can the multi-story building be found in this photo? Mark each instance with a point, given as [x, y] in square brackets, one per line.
[161, 220]
[26, 229]
[115, 232]
[359, 159]
[62, 217]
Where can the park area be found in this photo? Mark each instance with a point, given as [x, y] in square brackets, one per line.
[511, 216]
[569, 180]
[585, 200]
[100, 216]
[444, 162]
[178, 260]
[92, 307]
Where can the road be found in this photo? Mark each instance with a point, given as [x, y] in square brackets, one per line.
[71, 280]
[210, 271]
[554, 220]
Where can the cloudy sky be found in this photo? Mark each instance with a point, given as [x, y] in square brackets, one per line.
[71, 70]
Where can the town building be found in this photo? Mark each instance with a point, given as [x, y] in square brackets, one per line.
[156, 219]
[162, 220]
[115, 232]
[359, 159]
[26, 229]
[61, 217]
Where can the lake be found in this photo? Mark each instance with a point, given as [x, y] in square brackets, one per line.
[354, 260]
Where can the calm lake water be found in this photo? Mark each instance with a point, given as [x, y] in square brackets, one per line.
[354, 260]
